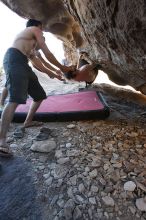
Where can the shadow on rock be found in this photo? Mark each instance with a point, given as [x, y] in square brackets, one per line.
[18, 196]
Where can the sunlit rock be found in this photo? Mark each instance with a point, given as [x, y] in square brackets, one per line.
[111, 32]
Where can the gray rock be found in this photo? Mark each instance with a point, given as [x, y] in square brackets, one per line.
[44, 146]
[108, 201]
[79, 198]
[54, 200]
[13, 146]
[94, 188]
[92, 200]
[70, 193]
[81, 188]
[71, 126]
[73, 153]
[47, 175]
[73, 180]
[49, 181]
[93, 173]
[129, 186]
[60, 203]
[141, 204]
[68, 145]
[60, 171]
[58, 154]
[63, 160]
[68, 209]
[77, 214]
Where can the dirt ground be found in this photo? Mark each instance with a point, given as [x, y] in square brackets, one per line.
[85, 171]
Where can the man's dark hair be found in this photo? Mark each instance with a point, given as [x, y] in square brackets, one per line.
[33, 22]
[70, 74]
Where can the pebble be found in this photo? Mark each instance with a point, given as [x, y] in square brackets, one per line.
[49, 181]
[68, 145]
[91, 172]
[60, 203]
[63, 160]
[141, 204]
[77, 214]
[68, 209]
[58, 153]
[47, 175]
[129, 186]
[92, 200]
[108, 201]
[73, 180]
[60, 171]
[71, 126]
[79, 198]
[81, 188]
[94, 189]
[13, 146]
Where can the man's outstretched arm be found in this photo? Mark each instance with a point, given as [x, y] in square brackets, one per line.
[49, 56]
[36, 62]
[45, 63]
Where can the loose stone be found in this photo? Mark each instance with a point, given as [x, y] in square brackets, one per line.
[141, 204]
[129, 186]
[43, 146]
[108, 201]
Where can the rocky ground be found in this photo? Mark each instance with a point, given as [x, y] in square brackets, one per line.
[89, 170]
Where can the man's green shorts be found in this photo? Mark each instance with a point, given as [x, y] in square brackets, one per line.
[21, 81]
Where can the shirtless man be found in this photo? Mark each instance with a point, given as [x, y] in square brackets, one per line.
[21, 80]
[40, 64]
[85, 72]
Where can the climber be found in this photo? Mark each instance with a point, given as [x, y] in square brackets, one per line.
[85, 72]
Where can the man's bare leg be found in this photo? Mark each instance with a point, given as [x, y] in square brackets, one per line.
[3, 96]
[33, 108]
[6, 119]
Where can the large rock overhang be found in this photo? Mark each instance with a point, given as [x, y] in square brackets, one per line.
[114, 32]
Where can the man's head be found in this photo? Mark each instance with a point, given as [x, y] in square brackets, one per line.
[33, 22]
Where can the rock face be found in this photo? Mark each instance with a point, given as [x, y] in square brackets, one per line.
[114, 32]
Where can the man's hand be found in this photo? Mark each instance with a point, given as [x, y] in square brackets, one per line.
[58, 72]
[59, 75]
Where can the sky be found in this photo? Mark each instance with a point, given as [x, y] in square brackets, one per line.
[11, 24]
